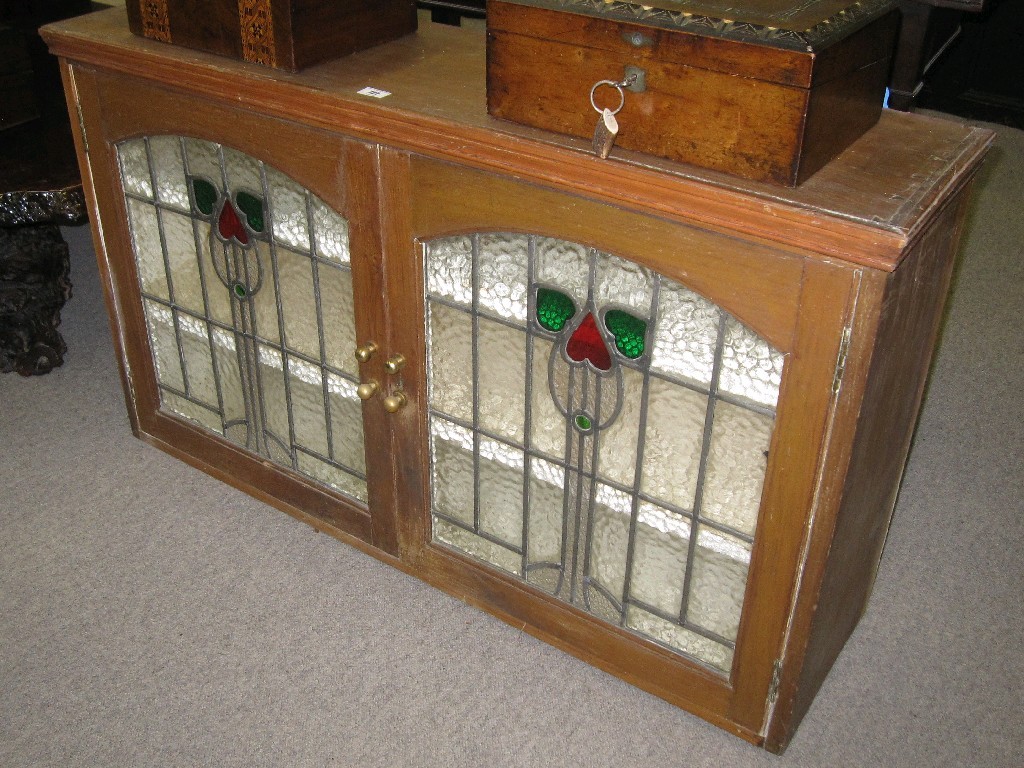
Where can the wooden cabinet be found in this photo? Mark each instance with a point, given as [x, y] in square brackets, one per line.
[654, 416]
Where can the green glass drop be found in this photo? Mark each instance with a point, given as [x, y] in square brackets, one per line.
[629, 332]
[584, 423]
[252, 207]
[205, 195]
[240, 291]
[554, 309]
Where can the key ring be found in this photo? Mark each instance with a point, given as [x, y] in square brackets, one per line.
[617, 86]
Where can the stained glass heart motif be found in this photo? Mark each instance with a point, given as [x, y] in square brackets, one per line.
[586, 344]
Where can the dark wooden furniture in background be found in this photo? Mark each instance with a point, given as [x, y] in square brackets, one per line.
[258, 230]
[927, 29]
[453, 11]
[40, 188]
[981, 77]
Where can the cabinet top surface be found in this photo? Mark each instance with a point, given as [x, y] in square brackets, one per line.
[866, 206]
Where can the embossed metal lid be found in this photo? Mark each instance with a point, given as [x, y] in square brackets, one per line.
[809, 25]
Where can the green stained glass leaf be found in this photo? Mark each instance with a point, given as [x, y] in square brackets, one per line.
[629, 332]
[554, 309]
[205, 195]
[252, 207]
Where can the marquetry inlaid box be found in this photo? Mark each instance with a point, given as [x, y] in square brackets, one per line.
[764, 89]
[288, 34]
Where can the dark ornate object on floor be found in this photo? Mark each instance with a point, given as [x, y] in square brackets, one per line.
[40, 188]
[34, 284]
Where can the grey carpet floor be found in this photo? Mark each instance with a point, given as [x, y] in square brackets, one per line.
[151, 616]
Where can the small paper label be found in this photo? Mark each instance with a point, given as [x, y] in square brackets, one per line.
[377, 93]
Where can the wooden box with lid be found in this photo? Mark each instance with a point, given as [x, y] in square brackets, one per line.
[654, 416]
[762, 89]
[287, 34]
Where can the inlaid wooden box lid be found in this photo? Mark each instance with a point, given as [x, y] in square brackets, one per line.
[286, 34]
[806, 26]
[764, 89]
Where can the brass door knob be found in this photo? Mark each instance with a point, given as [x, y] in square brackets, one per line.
[367, 389]
[394, 364]
[395, 402]
[365, 352]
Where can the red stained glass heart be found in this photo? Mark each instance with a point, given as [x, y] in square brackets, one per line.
[586, 344]
[230, 225]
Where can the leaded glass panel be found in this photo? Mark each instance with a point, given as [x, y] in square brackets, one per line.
[599, 431]
[247, 291]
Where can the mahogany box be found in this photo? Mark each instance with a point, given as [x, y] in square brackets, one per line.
[769, 90]
[286, 34]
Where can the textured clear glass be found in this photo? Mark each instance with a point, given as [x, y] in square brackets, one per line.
[452, 470]
[187, 409]
[338, 308]
[164, 343]
[449, 265]
[346, 423]
[501, 491]
[450, 340]
[273, 385]
[204, 160]
[288, 206]
[501, 389]
[183, 260]
[169, 169]
[718, 583]
[195, 348]
[685, 640]
[218, 295]
[673, 442]
[330, 233]
[659, 558]
[308, 406]
[243, 172]
[134, 162]
[501, 274]
[298, 302]
[564, 265]
[686, 335]
[737, 462]
[750, 367]
[547, 500]
[225, 357]
[330, 475]
[476, 546]
[609, 542]
[617, 460]
[149, 252]
[623, 283]
[547, 433]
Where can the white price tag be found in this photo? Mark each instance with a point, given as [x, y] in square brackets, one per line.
[377, 93]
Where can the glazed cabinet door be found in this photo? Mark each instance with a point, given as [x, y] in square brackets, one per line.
[613, 426]
[239, 250]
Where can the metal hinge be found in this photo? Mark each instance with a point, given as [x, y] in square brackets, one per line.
[844, 349]
[773, 687]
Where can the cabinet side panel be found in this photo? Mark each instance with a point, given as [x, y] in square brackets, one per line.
[81, 89]
[911, 312]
